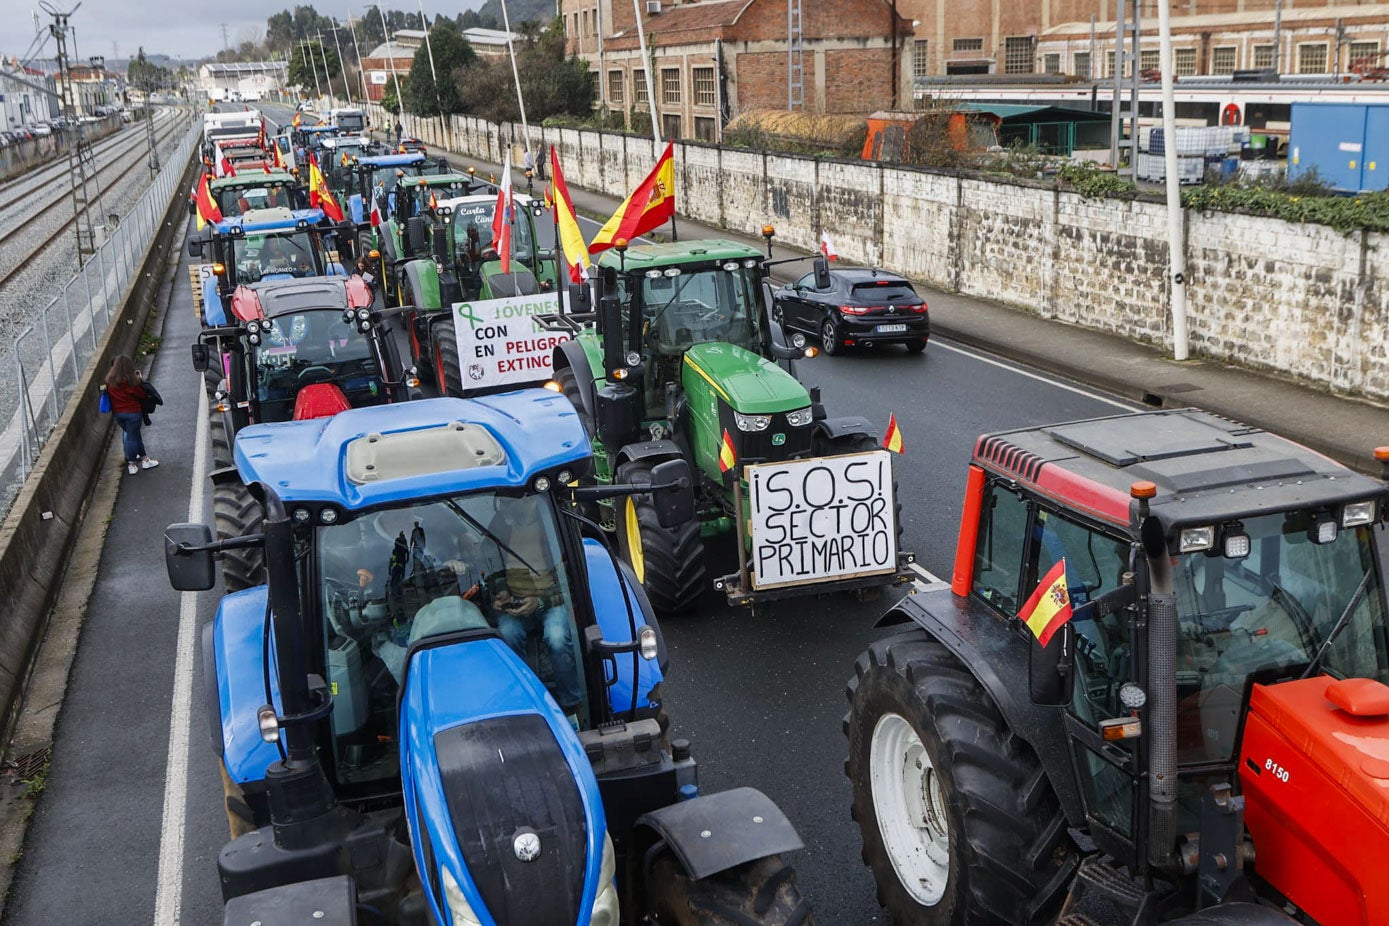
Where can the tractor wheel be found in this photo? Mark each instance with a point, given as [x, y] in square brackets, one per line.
[569, 385]
[221, 442]
[958, 820]
[668, 561]
[760, 893]
[829, 338]
[443, 347]
[235, 514]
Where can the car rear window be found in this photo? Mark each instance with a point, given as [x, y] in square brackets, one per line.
[885, 291]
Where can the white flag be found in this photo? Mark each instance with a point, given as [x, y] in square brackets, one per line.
[827, 247]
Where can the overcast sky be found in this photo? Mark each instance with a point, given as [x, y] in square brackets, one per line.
[187, 28]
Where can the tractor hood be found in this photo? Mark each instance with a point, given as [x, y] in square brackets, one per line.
[498, 791]
[749, 383]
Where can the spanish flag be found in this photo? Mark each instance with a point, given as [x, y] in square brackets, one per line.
[892, 440]
[1049, 607]
[727, 458]
[650, 205]
[207, 206]
[571, 237]
[320, 197]
[298, 116]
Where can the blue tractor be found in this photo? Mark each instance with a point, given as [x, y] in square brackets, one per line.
[444, 706]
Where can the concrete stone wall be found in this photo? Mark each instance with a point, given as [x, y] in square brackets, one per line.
[1301, 300]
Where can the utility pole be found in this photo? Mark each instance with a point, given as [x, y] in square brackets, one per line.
[226, 45]
[1176, 239]
[308, 59]
[342, 64]
[327, 75]
[516, 75]
[361, 71]
[390, 57]
[1278, 37]
[81, 168]
[429, 50]
[795, 61]
[646, 69]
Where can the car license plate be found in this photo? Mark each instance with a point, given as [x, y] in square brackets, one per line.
[891, 329]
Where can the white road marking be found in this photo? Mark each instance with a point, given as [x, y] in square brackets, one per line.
[925, 574]
[168, 899]
[1040, 377]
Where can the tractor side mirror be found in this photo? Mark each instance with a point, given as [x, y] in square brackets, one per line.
[201, 361]
[673, 493]
[188, 557]
[195, 247]
[822, 273]
[578, 298]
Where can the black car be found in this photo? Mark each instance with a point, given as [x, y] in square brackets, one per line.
[862, 307]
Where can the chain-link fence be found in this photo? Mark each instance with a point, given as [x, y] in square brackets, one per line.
[40, 370]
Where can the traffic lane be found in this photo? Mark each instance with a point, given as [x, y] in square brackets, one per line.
[761, 695]
[95, 837]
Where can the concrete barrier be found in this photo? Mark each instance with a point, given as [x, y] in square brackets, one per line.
[40, 528]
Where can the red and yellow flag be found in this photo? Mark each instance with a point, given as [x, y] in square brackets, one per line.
[207, 206]
[571, 237]
[727, 458]
[892, 440]
[1049, 607]
[297, 118]
[651, 204]
[320, 197]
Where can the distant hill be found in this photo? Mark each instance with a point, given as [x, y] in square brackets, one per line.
[520, 11]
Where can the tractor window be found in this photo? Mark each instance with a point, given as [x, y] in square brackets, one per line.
[1265, 616]
[393, 577]
[714, 304]
[998, 551]
[305, 348]
[276, 256]
[472, 233]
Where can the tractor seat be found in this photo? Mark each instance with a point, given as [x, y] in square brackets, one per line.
[517, 283]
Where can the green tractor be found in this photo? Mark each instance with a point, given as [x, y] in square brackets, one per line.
[682, 361]
[436, 251]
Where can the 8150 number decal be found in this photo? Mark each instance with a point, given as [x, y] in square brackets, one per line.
[1278, 771]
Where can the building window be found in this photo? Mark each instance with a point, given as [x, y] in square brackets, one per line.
[1018, 57]
[639, 81]
[584, 20]
[920, 63]
[1184, 62]
[615, 86]
[1109, 64]
[670, 126]
[1149, 61]
[704, 128]
[1051, 64]
[1366, 53]
[670, 85]
[1082, 64]
[1311, 59]
[705, 91]
[967, 45]
[1263, 56]
[1224, 59]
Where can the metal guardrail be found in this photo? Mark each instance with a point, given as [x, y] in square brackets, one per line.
[41, 368]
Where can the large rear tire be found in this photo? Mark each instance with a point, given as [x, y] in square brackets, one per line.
[760, 893]
[569, 385]
[221, 442]
[959, 822]
[235, 514]
[668, 561]
[443, 346]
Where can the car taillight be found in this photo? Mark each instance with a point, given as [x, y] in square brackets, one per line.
[855, 309]
[919, 309]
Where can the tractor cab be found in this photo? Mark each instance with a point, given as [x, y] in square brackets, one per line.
[336, 155]
[1190, 602]
[241, 194]
[309, 137]
[475, 252]
[373, 184]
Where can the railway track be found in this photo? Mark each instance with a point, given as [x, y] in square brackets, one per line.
[171, 129]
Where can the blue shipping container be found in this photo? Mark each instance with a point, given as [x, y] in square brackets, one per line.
[1346, 143]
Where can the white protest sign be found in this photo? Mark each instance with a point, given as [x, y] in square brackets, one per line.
[822, 519]
[501, 344]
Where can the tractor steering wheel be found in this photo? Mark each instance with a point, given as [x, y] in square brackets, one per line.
[314, 374]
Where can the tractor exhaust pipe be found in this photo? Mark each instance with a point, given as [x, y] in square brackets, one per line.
[1161, 720]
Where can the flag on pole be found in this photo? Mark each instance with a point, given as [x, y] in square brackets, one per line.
[727, 458]
[1049, 607]
[649, 206]
[502, 216]
[892, 440]
[320, 197]
[827, 247]
[224, 166]
[376, 196]
[297, 117]
[207, 206]
[571, 237]
[433, 202]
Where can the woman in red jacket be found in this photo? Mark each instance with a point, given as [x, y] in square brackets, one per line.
[126, 390]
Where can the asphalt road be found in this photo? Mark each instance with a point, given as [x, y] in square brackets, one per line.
[760, 695]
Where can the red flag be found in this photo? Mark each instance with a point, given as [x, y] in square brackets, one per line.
[892, 440]
[502, 216]
[207, 206]
[651, 204]
[320, 197]
[224, 166]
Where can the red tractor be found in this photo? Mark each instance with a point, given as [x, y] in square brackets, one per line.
[1205, 734]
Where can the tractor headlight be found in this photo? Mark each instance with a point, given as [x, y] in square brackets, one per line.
[1357, 513]
[541, 484]
[269, 724]
[1196, 538]
[1323, 530]
[364, 313]
[1236, 545]
[751, 422]
[633, 359]
[647, 643]
[800, 417]
[605, 904]
[254, 339]
[459, 909]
